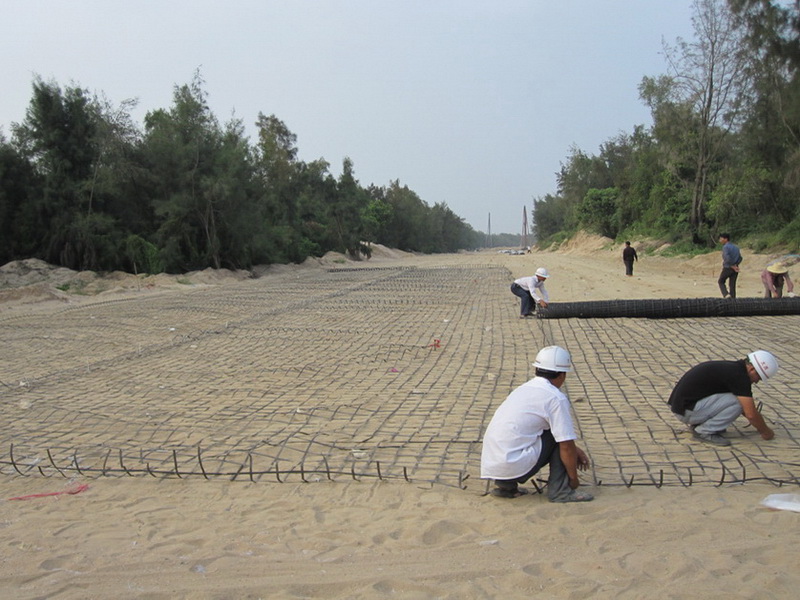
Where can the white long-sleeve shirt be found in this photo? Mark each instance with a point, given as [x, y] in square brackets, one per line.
[535, 288]
[513, 440]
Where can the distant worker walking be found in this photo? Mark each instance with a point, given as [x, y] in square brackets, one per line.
[628, 256]
[731, 259]
[773, 278]
[711, 396]
[531, 291]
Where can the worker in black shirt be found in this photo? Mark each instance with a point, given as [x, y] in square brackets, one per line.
[711, 396]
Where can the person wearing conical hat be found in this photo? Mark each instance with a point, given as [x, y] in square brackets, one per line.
[773, 278]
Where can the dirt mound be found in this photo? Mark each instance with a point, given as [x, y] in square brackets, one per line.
[585, 243]
[19, 273]
[29, 281]
[332, 259]
[33, 280]
[379, 251]
[29, 294]
[211, 276]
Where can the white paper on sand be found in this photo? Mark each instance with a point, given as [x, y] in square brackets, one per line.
[782, 502]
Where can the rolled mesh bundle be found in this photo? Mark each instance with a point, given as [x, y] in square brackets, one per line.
[673, 308]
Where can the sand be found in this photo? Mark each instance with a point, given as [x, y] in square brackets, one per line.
[153, 537]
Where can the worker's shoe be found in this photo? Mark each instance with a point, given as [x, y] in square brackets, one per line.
[508, 493]
[574, 496]
[712, 438]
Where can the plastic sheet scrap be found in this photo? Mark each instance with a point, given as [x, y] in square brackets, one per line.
[782, 502]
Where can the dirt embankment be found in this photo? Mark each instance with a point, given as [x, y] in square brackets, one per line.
[33, 281]
[585, 267]
[589, 267]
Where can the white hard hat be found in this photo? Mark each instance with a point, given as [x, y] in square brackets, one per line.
[765, 364]
[553, 358]
[542, 272]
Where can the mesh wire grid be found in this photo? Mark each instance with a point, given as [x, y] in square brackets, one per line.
[389, 373]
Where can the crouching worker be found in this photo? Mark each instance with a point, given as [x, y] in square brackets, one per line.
[531, 292]
[711, 396]
[533, 428]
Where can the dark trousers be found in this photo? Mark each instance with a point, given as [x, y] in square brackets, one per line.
[628, 266]
[778, 290]
[557, 483]
[527, 305]
[728, 274]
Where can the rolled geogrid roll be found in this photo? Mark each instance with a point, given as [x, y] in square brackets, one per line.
[674, 308]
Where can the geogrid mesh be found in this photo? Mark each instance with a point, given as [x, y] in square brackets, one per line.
[672, 308]
[625, 370]
[388, 373]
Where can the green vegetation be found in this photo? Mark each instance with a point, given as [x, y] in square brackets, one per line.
[77, 286]
[723, 153]
[83, 187]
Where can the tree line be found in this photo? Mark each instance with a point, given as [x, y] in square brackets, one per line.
[83, 186]
[723, 153]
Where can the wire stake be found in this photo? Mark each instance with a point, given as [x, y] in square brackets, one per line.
[105, 461]
[52, 462]
[200, 462]
[13, 462]
[124, 468]
[175, 462]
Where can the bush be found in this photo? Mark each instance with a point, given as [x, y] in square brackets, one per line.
[790, 235]
[143, 256]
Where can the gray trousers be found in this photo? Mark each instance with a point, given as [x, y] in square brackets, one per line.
[713, 414]
[558, 481]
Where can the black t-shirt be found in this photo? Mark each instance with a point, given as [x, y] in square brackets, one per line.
[708, 378]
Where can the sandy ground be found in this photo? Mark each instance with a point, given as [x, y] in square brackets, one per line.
[149, 538]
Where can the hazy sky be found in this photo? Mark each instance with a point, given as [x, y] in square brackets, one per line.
[472, 103]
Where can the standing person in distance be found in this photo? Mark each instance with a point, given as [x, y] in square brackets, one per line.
[628, 256]
[531, 291]
[711, 396]
[731, 258]
[533, 428]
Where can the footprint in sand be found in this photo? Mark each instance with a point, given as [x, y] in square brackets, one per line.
[443, 532]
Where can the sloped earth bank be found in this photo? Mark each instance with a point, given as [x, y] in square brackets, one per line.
[164, 538]
[33, 281]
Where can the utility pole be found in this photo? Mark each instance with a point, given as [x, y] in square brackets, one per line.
[525, 227]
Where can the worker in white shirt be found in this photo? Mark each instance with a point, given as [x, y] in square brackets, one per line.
[531, 292]
[533, 428]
